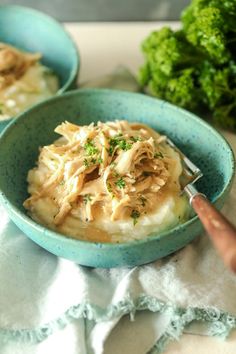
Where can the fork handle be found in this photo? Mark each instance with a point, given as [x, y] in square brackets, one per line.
[220, 230]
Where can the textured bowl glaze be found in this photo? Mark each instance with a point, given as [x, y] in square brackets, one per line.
[19, 150]
[34, 31]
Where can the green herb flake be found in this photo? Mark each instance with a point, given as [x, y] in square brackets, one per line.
[158, 154]
[86, 163]
[124, 145]
[109, 188]
[120, 183]
[135, 214]
[100, 160]
[135, 138]
[87, 198]
[90, 148]
[110, 150]
[120, 142]
[89, 162]
[113, 142]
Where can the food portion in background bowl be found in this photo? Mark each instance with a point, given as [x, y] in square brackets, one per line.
[31, 31]
[107, 182]
[24, 81]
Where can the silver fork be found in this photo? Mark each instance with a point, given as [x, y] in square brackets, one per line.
[220, 230]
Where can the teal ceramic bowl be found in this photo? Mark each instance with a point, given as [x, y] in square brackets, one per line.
[34, 31]
[19, 150]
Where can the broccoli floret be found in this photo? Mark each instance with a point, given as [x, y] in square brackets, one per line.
[157, 84]
[219, 93]
[224, 116]
[226, 7]
[215, 84]
[162, 50]
[181, 90]
[195, 67]
[164, 72]
[144, 75]
[208, 33]
[209, 24]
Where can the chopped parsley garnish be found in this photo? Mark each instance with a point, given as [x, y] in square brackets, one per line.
[87, 198]
[120, 183]
[120, 142]
[113, 143]
[124, 145]
[92, 161]
[158, 154]
[86, 162]
[135, 138]
[62, 183]
[135, 214]
[110, 150]
[109, 188]
[90, 148]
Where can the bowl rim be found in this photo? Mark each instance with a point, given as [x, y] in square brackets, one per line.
[60, 26]
[78, 242]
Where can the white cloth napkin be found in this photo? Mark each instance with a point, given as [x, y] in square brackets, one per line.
[51, 305]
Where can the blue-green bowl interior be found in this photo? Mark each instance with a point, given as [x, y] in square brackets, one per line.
[33, 31]
[20, 142]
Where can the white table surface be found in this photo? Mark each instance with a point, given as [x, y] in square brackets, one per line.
[103, 47]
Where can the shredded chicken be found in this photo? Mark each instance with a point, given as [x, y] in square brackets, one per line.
[115, 169]
[14, 63]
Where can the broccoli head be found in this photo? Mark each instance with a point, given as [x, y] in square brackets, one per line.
[162, 50]
[195, 67]
[218, 88]
[214, 84]
[164, 72]
[181, 89]
[206, 32]
[208, 24]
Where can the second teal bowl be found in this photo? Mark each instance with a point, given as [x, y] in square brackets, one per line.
[19, 150]
[33, 31]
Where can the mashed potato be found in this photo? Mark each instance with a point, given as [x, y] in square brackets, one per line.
[110, 182]
[23, 81]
